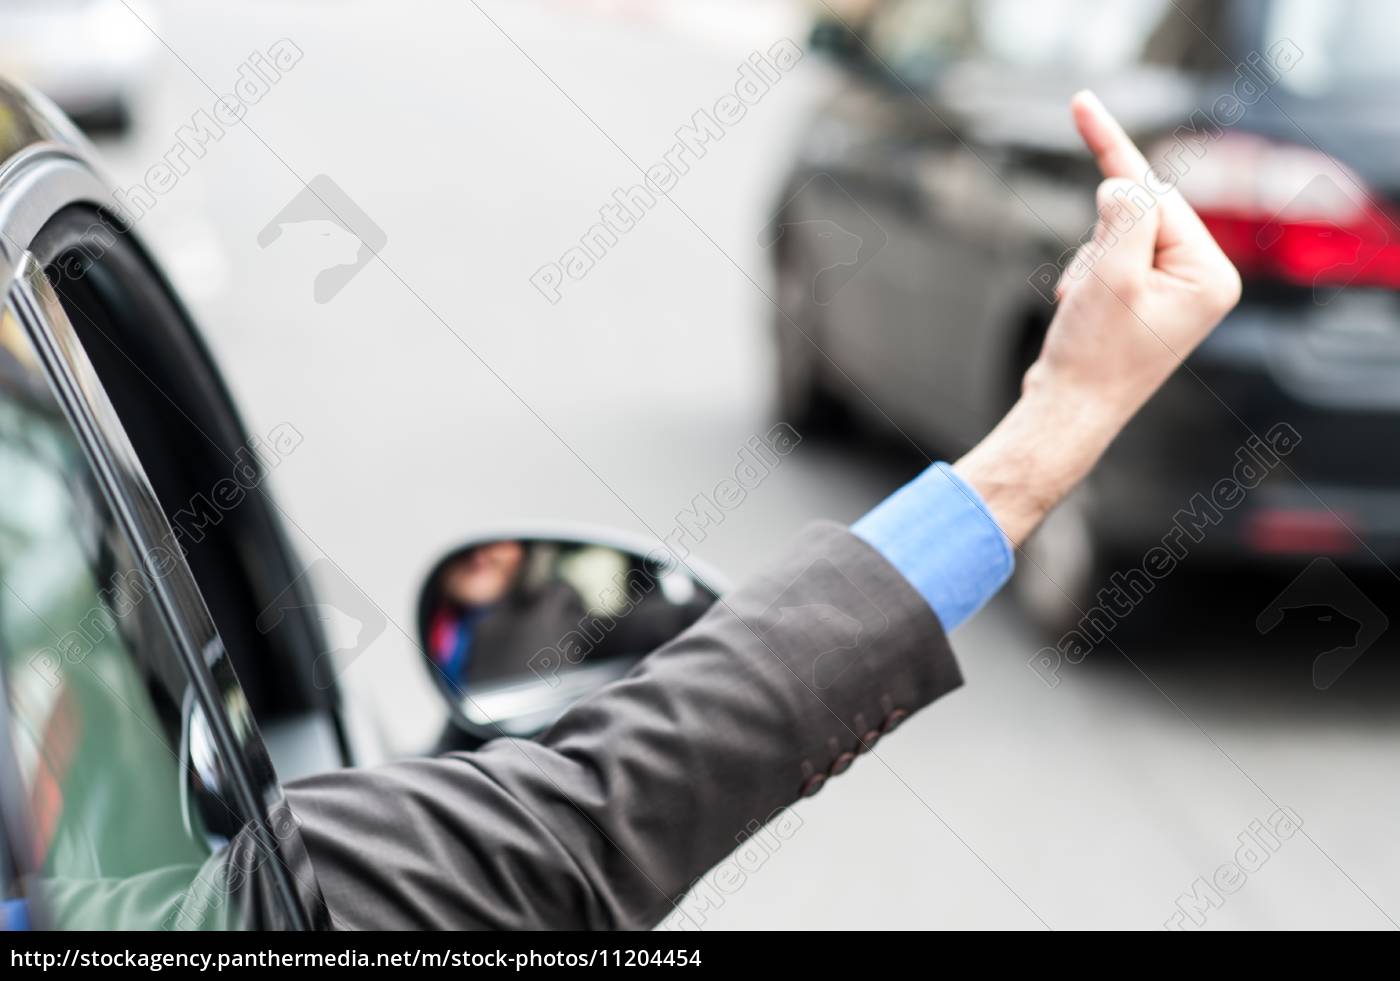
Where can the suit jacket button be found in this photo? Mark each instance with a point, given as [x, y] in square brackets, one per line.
[813, 784]
[842, 764]
[893, 721]
[868, 741]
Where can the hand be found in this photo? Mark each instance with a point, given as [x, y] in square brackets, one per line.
[1143, 294]
[1135, 301]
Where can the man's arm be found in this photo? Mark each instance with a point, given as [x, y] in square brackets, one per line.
[638, 790]
[608, 819]
[1134, 303]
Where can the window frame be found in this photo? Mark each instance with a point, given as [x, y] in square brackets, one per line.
[35, 184]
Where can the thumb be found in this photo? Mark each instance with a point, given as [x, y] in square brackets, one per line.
[1125, 238]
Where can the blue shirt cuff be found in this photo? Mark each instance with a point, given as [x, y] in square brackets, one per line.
[938, 533]
[14, 915]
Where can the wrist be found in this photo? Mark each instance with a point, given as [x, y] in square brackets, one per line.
[1038, 453]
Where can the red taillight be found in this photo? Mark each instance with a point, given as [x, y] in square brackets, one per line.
[1292, 214]
[1309, 253]
[1281, 532]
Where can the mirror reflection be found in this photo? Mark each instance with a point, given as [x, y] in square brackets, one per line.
[515, 630]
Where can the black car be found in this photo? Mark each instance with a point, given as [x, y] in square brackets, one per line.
[939, 195]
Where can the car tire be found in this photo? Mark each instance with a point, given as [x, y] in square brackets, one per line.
[804, 399]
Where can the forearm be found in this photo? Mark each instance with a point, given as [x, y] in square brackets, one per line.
[1038, 453]
[953, 531]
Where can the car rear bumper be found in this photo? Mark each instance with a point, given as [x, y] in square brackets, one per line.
[1279, 438]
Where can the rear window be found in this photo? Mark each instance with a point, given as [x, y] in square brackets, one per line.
[1346, 44]
[917, 38]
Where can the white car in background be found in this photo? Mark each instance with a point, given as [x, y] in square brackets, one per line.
[85, 55]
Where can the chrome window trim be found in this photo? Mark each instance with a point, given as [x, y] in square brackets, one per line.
[45, 164]
[33, 189]
[137, 512]
[38, 180]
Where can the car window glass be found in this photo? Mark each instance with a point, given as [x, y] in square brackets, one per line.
[1051, 33]
[1346, 43]
[100, 710]
[916, 38]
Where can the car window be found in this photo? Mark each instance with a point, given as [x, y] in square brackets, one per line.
[1347, 44]
[100, 709]
[916, 38]
[1051, 33]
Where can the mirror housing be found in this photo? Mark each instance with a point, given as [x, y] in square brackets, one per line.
[515, 628]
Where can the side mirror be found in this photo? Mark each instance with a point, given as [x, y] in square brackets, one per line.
[515, 629]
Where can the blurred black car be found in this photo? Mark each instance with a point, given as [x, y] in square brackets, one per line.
[937, 197]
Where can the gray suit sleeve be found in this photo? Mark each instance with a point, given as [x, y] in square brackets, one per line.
[607, 820]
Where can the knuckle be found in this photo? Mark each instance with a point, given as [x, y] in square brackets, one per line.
[1236, 285]
[1109, 186]
[1226, 288]
[1105, 199]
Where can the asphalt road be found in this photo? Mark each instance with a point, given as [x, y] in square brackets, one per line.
[439, 395]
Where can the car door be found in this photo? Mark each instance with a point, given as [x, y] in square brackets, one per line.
[933, 194]
[137, 790]
[148, 799]
[210, 473]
